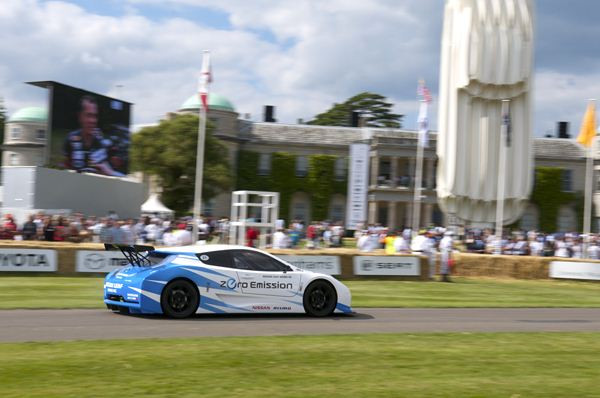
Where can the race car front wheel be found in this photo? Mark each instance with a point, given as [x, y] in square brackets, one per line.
[179, 299]
[320, 298]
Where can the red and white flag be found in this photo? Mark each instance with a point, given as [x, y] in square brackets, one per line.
[423, 120]
[205, 79]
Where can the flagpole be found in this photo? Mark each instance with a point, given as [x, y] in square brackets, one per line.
[587, 206]
[199, 167]
[501, 177]
[416, 218]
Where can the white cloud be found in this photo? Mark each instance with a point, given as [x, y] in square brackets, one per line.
[301, 55]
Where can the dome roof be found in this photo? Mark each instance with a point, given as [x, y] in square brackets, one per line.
[30, 114]
[215, 101]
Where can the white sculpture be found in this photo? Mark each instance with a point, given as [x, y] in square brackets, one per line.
[486, 57]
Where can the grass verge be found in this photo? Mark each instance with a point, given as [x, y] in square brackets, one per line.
[398, 365]
[74, 292]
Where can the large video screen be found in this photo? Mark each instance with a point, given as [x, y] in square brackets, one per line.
[89, 132]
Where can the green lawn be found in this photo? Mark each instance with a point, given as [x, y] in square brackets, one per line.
[86, 292]
[375, 365]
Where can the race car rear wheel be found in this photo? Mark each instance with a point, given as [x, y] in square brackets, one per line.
[320, 298]
[179, 299]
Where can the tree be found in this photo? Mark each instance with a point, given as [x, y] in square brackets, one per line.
[372, 107]
[168, 151]
[2, 121]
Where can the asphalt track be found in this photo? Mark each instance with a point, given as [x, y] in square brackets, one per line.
[57, 325]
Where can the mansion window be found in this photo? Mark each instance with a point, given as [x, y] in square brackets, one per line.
[340, 169]
[40, 134]
[264, 164]
[301, 166]
[14, 159]
[566, 180]
[15, 133]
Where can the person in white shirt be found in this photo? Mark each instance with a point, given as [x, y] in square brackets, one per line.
[361, 242]
[561, 249]
[182, 237]
[400, 244]
[419, 242]
[280, 240]
[446, 253]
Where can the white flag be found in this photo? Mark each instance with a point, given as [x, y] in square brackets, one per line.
[205, 79]
[423, 125]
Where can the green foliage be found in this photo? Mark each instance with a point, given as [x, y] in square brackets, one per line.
[319, 184]
[320, 178]
[373, 107]
[168, 151]
[548, 196]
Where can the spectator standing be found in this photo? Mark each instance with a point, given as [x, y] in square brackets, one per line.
[446, 255]
[251, 237]
[49, 229]
[280, 240]
[10, 227]
[29, 230]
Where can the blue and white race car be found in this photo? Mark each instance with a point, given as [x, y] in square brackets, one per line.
[214, 279]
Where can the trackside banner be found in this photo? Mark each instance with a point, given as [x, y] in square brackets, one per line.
[28, 260]
[329, 265]
[574, 270]
[99, 261]
[358, 184]
[387, 265]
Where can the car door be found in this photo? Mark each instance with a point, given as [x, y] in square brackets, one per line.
[222, 275]
[264, 275]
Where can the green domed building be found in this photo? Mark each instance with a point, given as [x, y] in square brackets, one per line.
[25, 137]
[220, 112]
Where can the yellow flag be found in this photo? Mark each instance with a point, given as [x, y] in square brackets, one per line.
[588, 127]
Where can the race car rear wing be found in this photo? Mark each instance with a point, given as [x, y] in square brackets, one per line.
[135, 254]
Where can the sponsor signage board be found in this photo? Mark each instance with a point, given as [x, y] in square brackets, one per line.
[99, 261]
[574, 270]
[387, 265]
[28, 260]
[329, 265]
[358, 181]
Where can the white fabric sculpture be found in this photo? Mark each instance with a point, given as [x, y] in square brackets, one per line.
[486, 57]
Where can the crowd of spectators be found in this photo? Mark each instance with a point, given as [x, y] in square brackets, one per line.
[533, 243]
[77, 228]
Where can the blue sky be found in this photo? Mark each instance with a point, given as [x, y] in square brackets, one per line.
[301, 55]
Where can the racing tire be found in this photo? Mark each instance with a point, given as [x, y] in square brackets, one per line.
[179, 299]
[320, 299]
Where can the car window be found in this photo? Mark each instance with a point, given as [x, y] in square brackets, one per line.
[221, 258]
[156, 258]
[254, 261]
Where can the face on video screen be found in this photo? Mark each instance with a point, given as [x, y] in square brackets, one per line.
[90, 132]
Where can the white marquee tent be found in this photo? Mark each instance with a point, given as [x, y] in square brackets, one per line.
[154, 206]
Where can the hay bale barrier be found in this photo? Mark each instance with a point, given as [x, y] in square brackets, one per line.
[467, 264]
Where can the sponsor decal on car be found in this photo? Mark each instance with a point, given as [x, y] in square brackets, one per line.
[234, 284]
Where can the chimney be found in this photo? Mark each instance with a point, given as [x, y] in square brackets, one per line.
[300, 121]
[562, 130]
[269, 115]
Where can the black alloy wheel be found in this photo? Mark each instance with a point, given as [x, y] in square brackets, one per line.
[179, 299]
[320, 298]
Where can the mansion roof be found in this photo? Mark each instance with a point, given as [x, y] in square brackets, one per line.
[299, 134]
